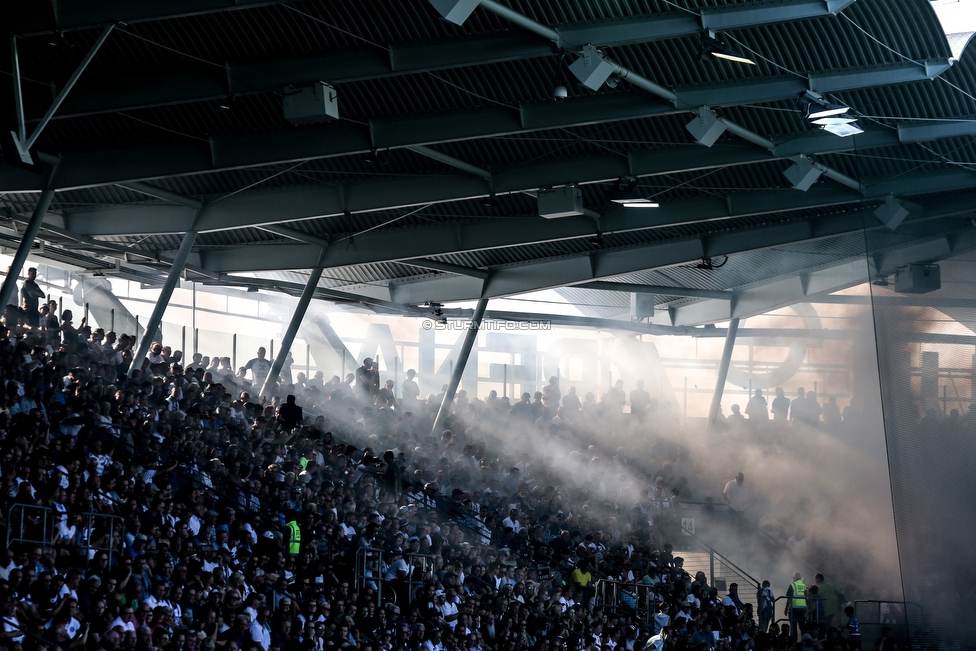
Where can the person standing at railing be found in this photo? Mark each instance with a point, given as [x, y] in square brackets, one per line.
[766, 606]
[815, 610]
[736, 494]
[831, 598]
[30, 294]
[852, 630]
[796, 604]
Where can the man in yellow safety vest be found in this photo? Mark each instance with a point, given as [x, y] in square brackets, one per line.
[796, 604]
[294, 534]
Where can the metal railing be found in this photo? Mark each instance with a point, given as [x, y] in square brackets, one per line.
[871, 617]
[873, 614]
[38, 525]
[31, 524]
[99, 522]
[623, 596]
[370, 570]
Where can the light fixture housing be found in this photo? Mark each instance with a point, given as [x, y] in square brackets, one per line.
[636, 203]
[816, 107]
[455, 11]
[834, 119]
[591, 68]
[828, 110]
[843, 130]
[706, 128]
[712, 45]
[565, 201]
[830, 117]
[802, 174]
[625, 193]
[892, 212]
[316, 102]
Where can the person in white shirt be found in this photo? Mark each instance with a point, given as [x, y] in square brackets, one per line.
[447, 604]
[196, 363]
[731, 600]
[512, 521]
[656, 643]
[261, 630]
[433, 641]
[70, 587]
[397, 568]
[124, 620]
[736, 494]
[155, 355]
[259, 368]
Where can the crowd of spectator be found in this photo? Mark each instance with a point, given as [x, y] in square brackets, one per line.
[332, 516]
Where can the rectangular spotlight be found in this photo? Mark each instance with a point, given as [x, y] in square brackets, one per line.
[455, 11]
[828, 110]
[712, 45]
[843, 130]
[892, 212]
[566, 201]
[706, 128]
[817, 107]
[591, 68]
[310, 104]
[837, 119]
[918, 279]
[636, 203]
[802, 174]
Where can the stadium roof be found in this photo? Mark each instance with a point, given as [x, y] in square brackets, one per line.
[425, 187]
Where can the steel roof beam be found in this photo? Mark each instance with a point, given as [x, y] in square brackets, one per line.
[425, 263]
[92, 167]
[116, 94]
[405, 244]
[35, 18]
[574, 270]
[276, 206]
[921, 132]
[657, 290]
[807, 287]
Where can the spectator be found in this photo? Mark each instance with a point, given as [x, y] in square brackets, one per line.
[227, 519]
[30, 294]
[259, 368]
[736, 494]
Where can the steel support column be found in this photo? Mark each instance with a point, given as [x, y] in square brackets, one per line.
[18, 96]
[23, 250]
[723, 372]
[289, 337]
[469, 339]
[67, 87]
[162, 302]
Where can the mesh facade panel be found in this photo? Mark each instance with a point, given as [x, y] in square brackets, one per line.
[926, 363]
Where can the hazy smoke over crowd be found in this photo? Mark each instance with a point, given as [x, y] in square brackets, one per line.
[819, 499]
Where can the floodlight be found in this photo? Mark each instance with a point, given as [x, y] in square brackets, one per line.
[816, 107]
[636, 203]
[827, 110]
[625, 193]
[892, 212]
[706, 128]
[843, 130]
[566, 201]
[802, 174]
[455, 11]
[591, 68]
[836, 119]
[711, 45]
